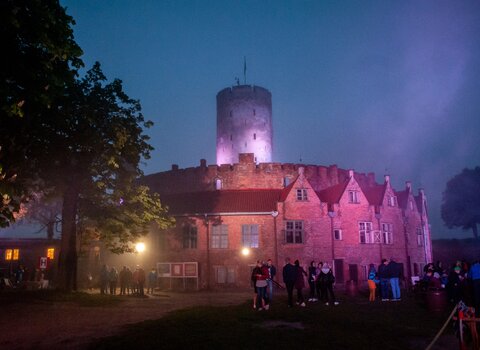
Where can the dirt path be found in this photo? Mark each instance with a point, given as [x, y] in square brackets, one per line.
[69, 326]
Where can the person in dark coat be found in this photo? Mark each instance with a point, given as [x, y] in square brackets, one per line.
[395, 272]
[289, 276]
[326, 283]
[312, 275]
[299, 283]
[272, 271]
[384, 277]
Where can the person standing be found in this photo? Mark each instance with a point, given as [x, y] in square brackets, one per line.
[327, 281]
[139, 280]
[152, 280]
[112, 279]
[261, 283]
[256, 270]
[299, 283]
[383, 275]
[272, 271]
[312, 273]
[474, 275]
[289, 275]
[372, 282]
[395, 272]
[122, 278]
[104, 279]
[318, 288]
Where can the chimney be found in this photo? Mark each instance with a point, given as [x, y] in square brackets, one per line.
[174, 167]
[350, 173]
[203, 163]
[408, 185]
[387, 179]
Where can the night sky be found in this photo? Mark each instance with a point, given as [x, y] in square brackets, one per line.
[384, 86]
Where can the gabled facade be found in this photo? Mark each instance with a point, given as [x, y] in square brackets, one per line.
[349, 221]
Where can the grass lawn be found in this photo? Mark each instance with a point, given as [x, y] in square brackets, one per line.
[354, 324]
[55, 297]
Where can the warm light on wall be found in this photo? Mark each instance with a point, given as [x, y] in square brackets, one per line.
[51, 253]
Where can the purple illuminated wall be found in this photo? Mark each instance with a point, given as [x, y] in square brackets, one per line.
[244, 124]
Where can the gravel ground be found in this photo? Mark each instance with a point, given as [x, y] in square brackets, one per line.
[69, 326]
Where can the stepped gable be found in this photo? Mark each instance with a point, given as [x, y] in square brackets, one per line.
[223, 201]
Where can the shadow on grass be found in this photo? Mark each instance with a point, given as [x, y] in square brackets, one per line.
[354, 324]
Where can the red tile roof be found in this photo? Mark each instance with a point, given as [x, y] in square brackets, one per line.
[402, 198]
[223, 201]
[374, 194]
[334, 193]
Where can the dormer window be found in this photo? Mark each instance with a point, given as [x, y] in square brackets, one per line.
[286, 181]
[353, 197]
[302, 194]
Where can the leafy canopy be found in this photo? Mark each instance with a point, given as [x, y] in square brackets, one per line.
[461, 201]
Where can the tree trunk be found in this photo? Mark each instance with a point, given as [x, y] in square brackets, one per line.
[68, 254]
[475, 230]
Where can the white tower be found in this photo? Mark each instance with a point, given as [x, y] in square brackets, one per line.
[244, 124]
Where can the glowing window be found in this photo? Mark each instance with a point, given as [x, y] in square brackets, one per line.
[16, 254]
[51, 253]
[8, 254]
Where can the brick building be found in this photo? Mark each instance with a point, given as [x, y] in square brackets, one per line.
[305, 212]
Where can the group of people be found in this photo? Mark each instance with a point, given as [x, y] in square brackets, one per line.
[131, 282]
[388, 278]
[320, 280]
[461, 281]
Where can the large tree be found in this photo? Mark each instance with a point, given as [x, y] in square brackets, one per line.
[39, 57]
[461, 201]
[91, 159]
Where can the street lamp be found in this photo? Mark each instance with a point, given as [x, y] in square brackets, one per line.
[245, 251]
[140, 247]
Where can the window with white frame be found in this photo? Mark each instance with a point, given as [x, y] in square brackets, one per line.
[387, 233]
[337, 234]
[392, 201]
[189, 237]
[294, 232]
[419, 237]
[250, 236]
[302, 194]
[353, 197]
[219, 236]
[365, 232]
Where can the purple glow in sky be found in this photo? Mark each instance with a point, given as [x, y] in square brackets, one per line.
[384, 86]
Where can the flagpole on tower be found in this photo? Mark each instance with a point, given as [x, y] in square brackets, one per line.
[244, 70]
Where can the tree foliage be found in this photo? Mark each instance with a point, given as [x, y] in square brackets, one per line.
[461, 201]
[40, 57]
[91, 158]
[78, 139]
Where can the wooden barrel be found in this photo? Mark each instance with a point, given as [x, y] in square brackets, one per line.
[436, 300]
